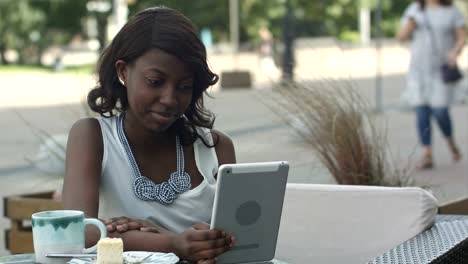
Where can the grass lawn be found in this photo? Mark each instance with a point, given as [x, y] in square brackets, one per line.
[14, 68]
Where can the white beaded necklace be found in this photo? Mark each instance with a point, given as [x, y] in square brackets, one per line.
[144, 188]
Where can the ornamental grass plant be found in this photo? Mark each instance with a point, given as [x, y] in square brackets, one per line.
[338, 124]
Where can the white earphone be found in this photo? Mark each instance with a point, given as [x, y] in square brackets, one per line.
[121, 81]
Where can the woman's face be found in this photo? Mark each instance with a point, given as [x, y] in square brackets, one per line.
[159, 88]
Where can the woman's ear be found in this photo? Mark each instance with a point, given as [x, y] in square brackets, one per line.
[121, 70]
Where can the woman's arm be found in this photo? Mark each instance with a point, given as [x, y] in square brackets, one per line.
[406, 30]
[83, 170]
[460, 36]
[225, 151]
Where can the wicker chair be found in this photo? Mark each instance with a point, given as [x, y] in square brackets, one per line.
[445, 242]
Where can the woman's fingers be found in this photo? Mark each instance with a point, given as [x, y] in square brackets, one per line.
[149, 229]
[134, 225]
[204, 235]
[211, 253]
[110, 228]
[203, 250]
[122, 228]
[121, 219]
[207, 261]
[232, 240]
[201, 226]
[122, 224]
[202, 244]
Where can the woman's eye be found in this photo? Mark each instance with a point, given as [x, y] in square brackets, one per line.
[185, 87]
[154, 82]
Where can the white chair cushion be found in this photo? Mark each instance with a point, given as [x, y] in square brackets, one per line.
[350, 224]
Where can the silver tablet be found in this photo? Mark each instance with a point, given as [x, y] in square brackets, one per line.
[248, 204]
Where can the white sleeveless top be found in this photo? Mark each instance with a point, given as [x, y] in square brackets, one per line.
[116, 196]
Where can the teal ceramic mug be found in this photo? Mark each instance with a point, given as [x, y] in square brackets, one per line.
[61, 231]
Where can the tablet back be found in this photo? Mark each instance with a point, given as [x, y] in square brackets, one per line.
[248, 204]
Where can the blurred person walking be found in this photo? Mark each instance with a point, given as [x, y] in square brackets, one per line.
[436, 30]
[266, 54]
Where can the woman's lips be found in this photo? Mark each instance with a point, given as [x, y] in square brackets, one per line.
[162, 117]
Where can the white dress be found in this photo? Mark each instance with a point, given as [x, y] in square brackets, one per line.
[424, 80]
[117, 198]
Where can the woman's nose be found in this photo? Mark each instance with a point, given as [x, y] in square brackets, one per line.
[168, 96]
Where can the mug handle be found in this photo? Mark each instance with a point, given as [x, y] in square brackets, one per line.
[102, 229]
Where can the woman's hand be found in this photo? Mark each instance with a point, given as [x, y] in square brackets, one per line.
[452, 58]
[207, 261]
[123, 224]
[202, 245]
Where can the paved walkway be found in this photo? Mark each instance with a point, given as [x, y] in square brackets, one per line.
[52, 103]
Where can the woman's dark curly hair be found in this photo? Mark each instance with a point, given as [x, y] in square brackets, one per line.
[170, 31]
[422, 3]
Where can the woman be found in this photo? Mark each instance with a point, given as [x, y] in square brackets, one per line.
[148, 164]
[436, 28]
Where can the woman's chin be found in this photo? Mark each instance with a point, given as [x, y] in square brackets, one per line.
[160, 127]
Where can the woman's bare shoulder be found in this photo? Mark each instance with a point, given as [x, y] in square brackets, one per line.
[86, 130]
[224, 147]
[221, 137]
[86, 123]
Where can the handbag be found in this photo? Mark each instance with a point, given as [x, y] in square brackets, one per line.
[450, 74]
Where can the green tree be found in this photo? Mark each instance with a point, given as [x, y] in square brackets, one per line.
[392, 10]
[19, 24]
[205, 14]
[312, 18]
[29, 26]
[64, 20]
[254, 14]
